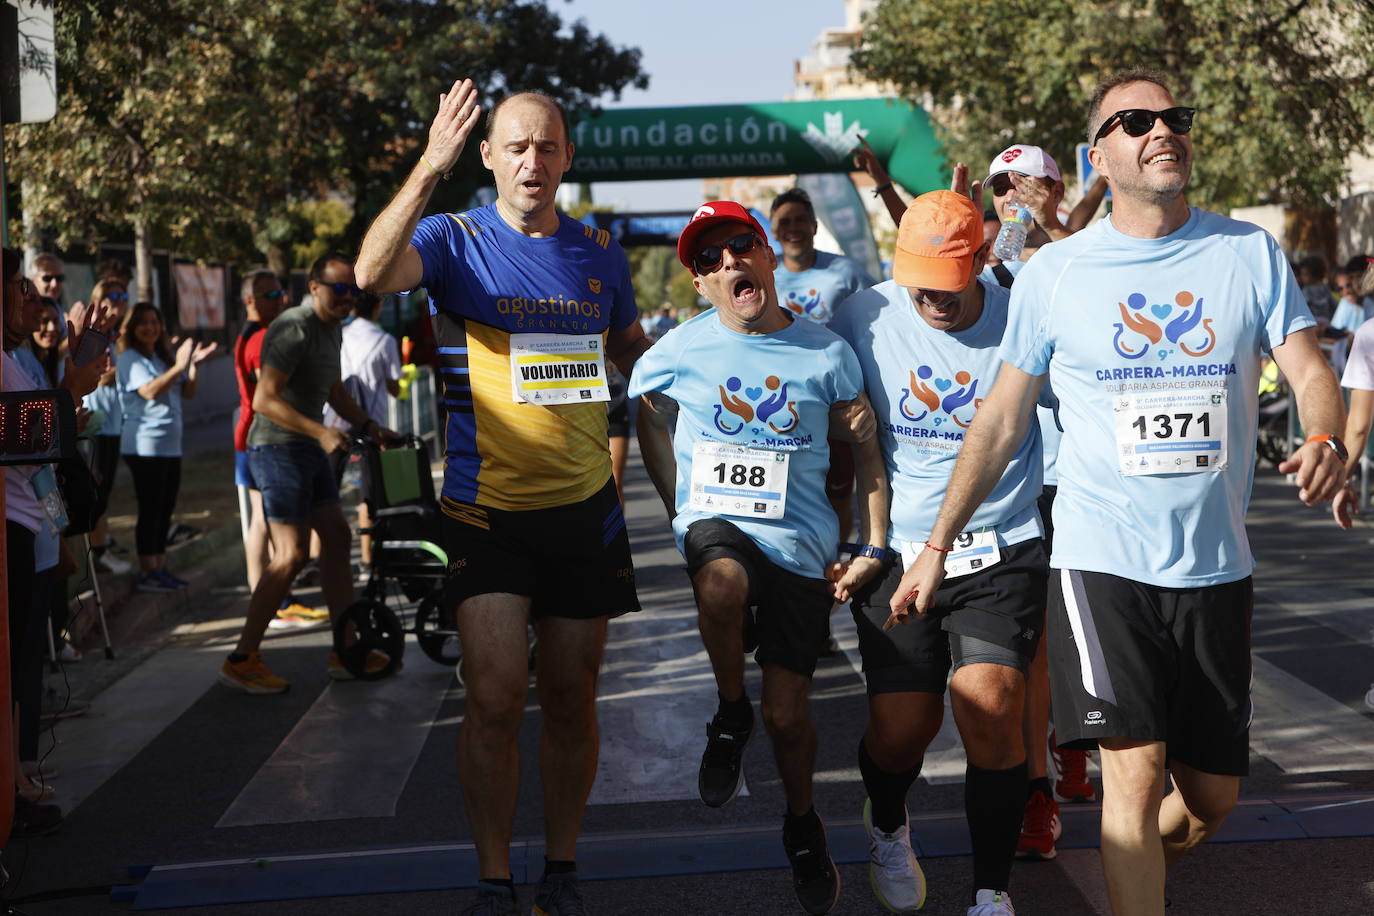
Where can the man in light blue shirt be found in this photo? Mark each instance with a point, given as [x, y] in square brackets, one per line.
[1153, 323]
[928, 342]
[757, 392]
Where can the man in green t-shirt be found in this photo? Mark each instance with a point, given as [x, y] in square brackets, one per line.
[288, 448]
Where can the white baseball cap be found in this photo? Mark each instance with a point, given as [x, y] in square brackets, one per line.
[1024, 160]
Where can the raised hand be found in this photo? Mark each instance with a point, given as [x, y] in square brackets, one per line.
[453, 123]
[867, 161]
[202, 352]
[185, 351]
[960, 185]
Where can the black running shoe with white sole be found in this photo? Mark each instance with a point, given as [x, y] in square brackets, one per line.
[722, 764]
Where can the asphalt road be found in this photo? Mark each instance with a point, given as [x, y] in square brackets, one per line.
[299, 793]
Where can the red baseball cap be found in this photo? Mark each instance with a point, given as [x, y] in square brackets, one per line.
[711, 214]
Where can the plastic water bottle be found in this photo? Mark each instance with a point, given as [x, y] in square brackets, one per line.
[1012, 236]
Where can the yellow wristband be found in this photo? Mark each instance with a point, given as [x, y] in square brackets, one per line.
[429, 165]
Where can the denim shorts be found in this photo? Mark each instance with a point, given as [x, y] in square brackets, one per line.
[243, 474]
[294, 478]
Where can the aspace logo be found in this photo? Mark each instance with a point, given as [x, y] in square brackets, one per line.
[927, 396]
[1163, 328]
[808, 305]
[767, 404]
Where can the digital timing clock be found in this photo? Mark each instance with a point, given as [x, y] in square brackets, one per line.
[36, 427]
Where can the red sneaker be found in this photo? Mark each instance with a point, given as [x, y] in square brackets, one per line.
[1073, 784]
[1040, 827]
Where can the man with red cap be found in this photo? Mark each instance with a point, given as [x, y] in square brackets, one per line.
[756, 392]
[928, 341]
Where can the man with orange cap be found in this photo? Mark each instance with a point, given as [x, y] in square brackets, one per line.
[927, 341]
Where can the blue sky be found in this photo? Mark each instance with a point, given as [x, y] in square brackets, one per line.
[702, 52]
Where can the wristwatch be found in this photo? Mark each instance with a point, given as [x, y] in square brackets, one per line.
[1336, 444]
[869, 550]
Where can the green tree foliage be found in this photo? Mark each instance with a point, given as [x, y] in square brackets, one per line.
[208, 124]
[1285, 88]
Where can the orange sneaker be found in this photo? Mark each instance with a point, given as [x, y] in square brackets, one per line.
[251, 676]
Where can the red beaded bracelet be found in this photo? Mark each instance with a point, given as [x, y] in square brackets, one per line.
[938, 549]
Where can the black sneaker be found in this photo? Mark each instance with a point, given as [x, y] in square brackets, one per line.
[558, 896]
[722, 765]
[815, 878]
[32, 819]
[493, 900]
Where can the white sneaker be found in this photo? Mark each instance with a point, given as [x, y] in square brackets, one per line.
[896, 876]
[991, 903]
[112, 564]
[69, 653]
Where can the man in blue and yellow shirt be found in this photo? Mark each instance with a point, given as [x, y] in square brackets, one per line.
[528, 304]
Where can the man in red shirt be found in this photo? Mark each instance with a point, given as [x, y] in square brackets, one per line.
[263, 300]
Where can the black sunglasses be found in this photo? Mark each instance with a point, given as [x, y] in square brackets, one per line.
[1136, 122]
[1001, 182]
[342, 289]
[709, 259]
[273, 294]
[48, 278]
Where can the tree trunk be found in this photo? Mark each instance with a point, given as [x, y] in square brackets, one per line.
[279, 259]
[143, 262]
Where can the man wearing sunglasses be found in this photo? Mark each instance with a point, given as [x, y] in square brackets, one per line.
[48, 277]
[1152, 323]
[1030, 175]
[756, 392]
[288, 445]
[263, 300]
[527, 305]
[927, 341]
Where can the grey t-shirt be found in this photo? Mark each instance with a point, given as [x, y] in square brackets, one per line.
[306, 349]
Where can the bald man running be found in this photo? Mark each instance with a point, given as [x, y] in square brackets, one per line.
[527, 305]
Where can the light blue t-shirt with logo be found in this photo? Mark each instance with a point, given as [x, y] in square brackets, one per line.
[1120, 321]
[106, 399]
[151, 429]
[814, 293]
[1044, 412]
[763, 391]
[926, 386]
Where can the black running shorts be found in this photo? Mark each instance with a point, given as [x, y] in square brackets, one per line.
[573, 561]
[994, 615]
[1130, 660]
[791, 612]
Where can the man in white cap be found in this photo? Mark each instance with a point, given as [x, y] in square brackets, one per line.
[1029, 175]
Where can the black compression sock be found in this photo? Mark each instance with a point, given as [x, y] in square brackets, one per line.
[994, 802]
[1039, 784]
[739, 711]
[801, 825]
[886, 791]
[237, 658]
[558, 867]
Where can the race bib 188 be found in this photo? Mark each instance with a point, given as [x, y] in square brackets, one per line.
[732, 480]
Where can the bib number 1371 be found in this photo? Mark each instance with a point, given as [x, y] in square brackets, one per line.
[1171, 432]
[1167, 426]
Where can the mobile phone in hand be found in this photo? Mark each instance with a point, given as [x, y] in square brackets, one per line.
[94, 344]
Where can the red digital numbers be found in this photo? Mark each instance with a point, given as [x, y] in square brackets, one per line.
[28, 426]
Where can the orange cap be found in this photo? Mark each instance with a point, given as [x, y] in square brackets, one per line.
[939, 235]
